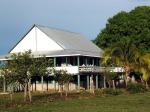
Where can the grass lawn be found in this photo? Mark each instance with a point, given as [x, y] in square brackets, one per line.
[78, 103]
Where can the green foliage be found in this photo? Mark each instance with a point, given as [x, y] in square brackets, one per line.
[111, 76]
[125, 38]
[110, 91]
[133, 25]
[85, 93]
[23, 66]
[122, 53]
[143, 66]
[6, 73]
[40, 66]
[62, 77]
[136, 88]
[18, 67]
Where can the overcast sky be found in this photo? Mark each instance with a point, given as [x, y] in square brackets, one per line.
[87, 17]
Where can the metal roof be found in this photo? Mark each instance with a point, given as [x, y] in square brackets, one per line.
[74, 44]
[58, 53]
[4, 57]
[71, 41]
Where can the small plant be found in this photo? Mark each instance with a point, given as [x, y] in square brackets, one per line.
[98, 92]
[110, 91]
[136, 88]
[85, 93]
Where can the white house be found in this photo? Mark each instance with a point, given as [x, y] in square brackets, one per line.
[70, 51]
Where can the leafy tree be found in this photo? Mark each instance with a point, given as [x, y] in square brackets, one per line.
[9, 79]
[68, 78]
[19, 66]
[40, 67]
[3, 72]
[23, 66]
[133, 25]
[62, 77]
[123, 54]
[109, 75]
[143, 66]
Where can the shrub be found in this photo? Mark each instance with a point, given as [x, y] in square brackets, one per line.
[85, 93]
[110, 91]
[98, 92]
[136, 88]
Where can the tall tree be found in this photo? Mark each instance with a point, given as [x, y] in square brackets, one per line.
[40, 67]
[134, 25]
[7, 79]
[23, 66]
[143, 66]
[123, 54]
[3, 72]
[109, 74]
[19, 66]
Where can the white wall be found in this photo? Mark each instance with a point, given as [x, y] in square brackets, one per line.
[28, 42]
[69, 69]
[36, 40]
[44, 43]
[51, 87]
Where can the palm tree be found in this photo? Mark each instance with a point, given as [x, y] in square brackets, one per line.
[109, 76]
[143, 66]
[122, 54]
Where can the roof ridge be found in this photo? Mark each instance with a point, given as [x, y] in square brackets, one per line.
[53, 28]
[66, 39]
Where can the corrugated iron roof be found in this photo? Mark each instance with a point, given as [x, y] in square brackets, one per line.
[74, 44]
[58, 53]
[70, 40]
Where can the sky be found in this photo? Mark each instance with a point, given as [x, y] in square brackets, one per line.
[87, 17]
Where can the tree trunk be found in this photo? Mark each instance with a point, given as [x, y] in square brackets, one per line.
[114, 87]
[67, 89]
[61, 90]
[104, 81]
[11, 94]
[54, 85]
[147, 87]
[126, 81]
[4, 84]
[92, 85]
[142, 80]
[42, 82]
[66, 93]
[11, 97]
[127, 70]
[25, 92]
[109, 82]
[32, 86]
[29, 90]
[47, 83]
[35, 85]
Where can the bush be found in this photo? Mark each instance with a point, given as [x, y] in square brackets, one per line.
[111, 91]
[85, 93]
[98, 92]
[136, 88]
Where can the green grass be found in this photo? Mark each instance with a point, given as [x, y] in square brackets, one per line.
[78, 103]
